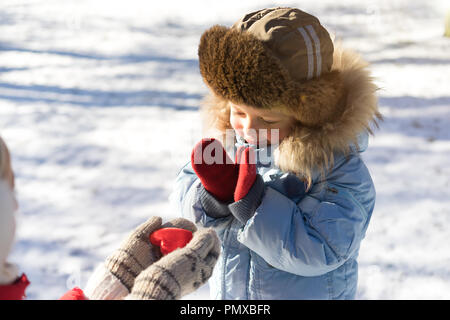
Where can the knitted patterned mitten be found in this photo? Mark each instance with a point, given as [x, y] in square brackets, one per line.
[114, 279]
[180, 272]
[134, 254]
[137, 253]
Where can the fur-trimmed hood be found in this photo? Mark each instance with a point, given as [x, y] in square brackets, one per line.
[348, 89]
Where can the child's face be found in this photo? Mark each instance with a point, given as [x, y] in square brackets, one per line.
[248, 121]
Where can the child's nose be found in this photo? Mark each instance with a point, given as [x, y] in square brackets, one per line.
[251, 128]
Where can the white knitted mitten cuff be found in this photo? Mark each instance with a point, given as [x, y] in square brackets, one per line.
[103, 285]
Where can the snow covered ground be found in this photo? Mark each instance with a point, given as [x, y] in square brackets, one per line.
[98, 103]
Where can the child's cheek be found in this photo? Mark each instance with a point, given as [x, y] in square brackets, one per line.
[277, 135]
[273, 135]
[236, 125]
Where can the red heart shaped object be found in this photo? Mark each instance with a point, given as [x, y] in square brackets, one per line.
[169, 239]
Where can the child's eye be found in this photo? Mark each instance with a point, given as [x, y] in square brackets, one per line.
[236, 113]
[269, 122]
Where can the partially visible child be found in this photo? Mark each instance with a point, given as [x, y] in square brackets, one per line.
[11, 281]
[291, 221]
[135, 270]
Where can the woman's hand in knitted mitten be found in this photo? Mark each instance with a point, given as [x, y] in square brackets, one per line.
[136, 253]
[114, 279]
[216, 170]
[180, 272]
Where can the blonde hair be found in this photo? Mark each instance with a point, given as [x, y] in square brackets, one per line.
[6, 171]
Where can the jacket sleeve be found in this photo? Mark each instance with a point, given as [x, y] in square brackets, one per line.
[189, 198]
[310, 238]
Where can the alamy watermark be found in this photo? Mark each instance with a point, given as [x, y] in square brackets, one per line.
[258, 140]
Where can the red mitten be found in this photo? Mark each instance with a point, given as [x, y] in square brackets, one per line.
[247, 172]
[220, 178]
[74, 294]
[169, 239]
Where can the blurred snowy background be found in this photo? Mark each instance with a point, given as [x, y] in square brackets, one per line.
[99, 106]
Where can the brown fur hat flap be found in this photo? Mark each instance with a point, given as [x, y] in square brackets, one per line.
[237, 67]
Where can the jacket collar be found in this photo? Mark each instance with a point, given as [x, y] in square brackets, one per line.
[266, 156]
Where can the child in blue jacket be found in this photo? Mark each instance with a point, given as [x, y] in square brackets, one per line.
[292, 208]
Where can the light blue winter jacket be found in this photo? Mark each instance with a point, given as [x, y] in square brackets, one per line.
[297, 245]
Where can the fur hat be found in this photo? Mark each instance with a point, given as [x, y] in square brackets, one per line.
[284, 59]
[274, 58]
